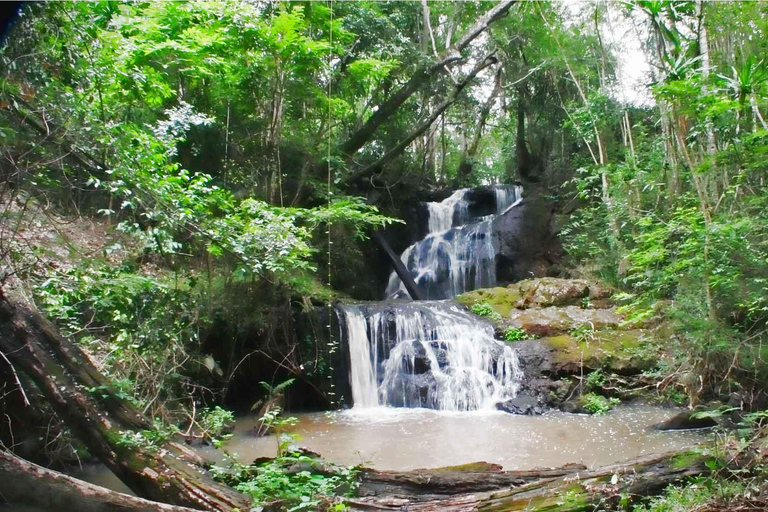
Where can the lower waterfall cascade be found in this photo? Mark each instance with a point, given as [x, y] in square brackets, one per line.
[430, 354]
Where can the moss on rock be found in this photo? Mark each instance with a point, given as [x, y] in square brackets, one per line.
[502, 300]
[615, 351]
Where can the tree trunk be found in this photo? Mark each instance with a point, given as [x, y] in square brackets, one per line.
[24, 483]
[424, 125]
[85, 402]
[468, 157]
[401, 270]
[483, 486]
[420, 77]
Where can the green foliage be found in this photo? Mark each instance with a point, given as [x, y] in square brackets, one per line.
[598, 404]
[279, 425]
[697, 494]
[277, 481]
[596, 380]
[583, 334]
[303, 490]
[216, 422]
[144, 326]
[485, 310]
[516, 334]
[150, 440]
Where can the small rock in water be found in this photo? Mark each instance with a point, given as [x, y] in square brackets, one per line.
[521, 404]
[685, 421]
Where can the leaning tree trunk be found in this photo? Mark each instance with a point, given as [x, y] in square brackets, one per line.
[422, 127]
[85, 402]
[24, 483]
[422, 76]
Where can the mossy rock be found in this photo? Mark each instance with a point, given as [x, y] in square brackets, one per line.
[502, 300]
[623, 352]
[541, 292]
[554, 320]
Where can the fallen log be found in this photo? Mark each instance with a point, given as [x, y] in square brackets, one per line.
[486, 488]
[425, 484]
[24, 483]
[402, 272]
[84, 400]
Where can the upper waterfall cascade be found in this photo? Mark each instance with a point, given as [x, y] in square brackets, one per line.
[458, 253]
[426, 354]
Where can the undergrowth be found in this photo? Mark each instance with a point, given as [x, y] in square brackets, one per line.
[598, 404]
[293, 482]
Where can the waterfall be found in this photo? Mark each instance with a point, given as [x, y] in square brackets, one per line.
[362, 376]
[441, 215]
[458, 253]
[426, 354]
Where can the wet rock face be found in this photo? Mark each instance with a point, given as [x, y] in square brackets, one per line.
[577, 331]
[539, 293]
[525, 238]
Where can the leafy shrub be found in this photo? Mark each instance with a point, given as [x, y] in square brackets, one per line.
[485, 310]
[216, 422]
[693, 496]
[584, 333]
[516, 334]
[598, 404]
[150, 439]
[303, 490]
[145, 329]
[595, 380]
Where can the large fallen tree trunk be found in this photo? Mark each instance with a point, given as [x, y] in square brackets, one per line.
[87, 405]
[24, 483]
[485, 487]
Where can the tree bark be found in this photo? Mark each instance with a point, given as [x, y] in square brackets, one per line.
[72, 386]
[24, 483]
[423, 75]
[484, 486]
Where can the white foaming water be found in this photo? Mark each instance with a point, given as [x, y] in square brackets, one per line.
[441, 215]
[458, 253]
[427, 354]
[507, 198]
[447, 263]
[362, 376]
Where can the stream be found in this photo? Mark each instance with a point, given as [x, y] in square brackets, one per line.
[404, 439]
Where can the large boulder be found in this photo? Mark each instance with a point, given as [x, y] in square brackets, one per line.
[555, 320]
[685, 420]
[539, 293]
[618, 352]
[526, 239]
[523, 404]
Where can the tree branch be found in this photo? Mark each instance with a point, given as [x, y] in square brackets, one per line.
[424, 126]
[421, 76]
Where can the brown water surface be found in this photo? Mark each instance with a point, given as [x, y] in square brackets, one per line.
[403, 439]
